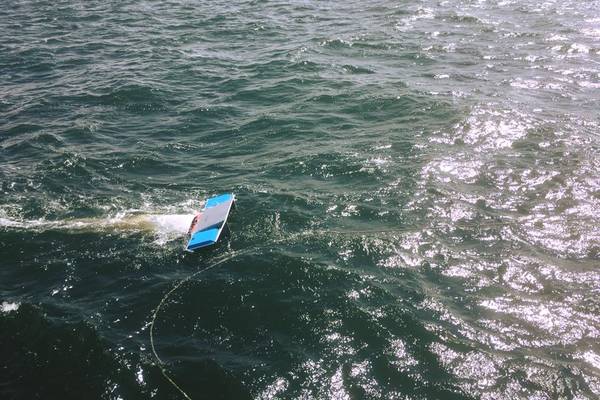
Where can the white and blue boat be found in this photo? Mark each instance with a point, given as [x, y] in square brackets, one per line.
[207, 226]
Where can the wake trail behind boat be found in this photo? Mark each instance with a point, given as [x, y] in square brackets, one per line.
[160, 224]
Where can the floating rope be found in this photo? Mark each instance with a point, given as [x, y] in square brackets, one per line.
[160, 363]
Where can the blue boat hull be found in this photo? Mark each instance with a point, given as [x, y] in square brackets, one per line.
[211, 221]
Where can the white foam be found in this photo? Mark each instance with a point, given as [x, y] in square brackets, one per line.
[593, 32]
[164, 226]
[8, 307]
[172, 223]
[9, 223]
[170, 227]
[578, 48]
[557, 38]
[590, 85]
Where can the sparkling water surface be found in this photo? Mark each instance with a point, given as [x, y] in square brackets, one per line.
[418, 199]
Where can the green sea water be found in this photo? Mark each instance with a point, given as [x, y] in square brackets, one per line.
[418, 196]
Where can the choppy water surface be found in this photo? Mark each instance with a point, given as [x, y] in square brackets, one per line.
[466, 133]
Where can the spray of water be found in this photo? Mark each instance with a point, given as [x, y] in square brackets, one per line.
[164, 226]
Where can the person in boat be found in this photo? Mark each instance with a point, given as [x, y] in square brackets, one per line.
[194, 223]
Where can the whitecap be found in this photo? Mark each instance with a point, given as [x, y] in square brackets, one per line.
[589, 85]
[578, 48]
[557, 38]
[6, 307]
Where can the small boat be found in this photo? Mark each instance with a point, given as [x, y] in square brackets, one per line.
[208, 224]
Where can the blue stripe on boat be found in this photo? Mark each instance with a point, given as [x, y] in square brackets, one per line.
[213, 201]
[204, 238]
